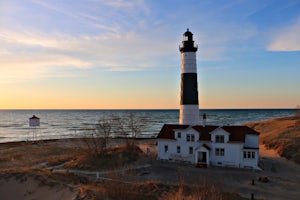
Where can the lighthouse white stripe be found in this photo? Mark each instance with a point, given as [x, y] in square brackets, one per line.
[189, 114]
[188, 62]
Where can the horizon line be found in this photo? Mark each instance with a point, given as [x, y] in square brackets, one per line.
[281, 108]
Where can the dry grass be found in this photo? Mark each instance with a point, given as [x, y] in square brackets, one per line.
[21, 160]
[22, 155]
[200, 192]
[282, 134]
[151, 190]
[111, 158]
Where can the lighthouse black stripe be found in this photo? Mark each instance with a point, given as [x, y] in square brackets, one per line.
[189, 89]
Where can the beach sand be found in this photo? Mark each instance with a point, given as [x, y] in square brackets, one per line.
[29, 188]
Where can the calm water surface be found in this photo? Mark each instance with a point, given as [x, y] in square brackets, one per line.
[14, 124]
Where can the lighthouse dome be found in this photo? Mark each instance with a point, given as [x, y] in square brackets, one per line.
[188, 43]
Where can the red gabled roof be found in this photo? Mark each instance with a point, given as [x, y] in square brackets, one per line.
[34, 117]
[167, 131]
[205, 131]
[238, 133]
[207, 147]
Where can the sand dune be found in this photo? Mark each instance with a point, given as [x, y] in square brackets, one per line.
[28, 188]
[282, 135]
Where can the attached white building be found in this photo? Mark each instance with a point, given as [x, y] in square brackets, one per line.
[232, 146]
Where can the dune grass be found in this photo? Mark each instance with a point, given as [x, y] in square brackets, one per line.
[282, 134]
[22, 160]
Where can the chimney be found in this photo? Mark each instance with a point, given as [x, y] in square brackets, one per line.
[204, 119]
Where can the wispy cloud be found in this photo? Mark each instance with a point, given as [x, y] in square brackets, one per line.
[33, 54]
[286, 38]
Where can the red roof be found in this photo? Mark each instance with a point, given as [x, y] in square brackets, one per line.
[34, 117]
[205, 131]
[205, 146]
[237, 133]
[167, 131]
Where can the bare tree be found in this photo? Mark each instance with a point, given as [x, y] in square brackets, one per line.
[130, 126]
[103, 131]
[136, 124]
[98, 140]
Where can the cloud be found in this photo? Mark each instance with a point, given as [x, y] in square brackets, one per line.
[34, 54]
[287, 38]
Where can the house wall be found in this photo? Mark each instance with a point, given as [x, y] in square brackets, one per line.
[250, 162]
[252, 141]
[185, 145]
[161, 154]
[233, 151]
[219, 131]
[232, 154]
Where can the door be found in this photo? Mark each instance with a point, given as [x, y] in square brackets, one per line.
[201, 157]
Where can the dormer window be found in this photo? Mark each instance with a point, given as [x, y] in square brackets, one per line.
[188, 137]
[219, 138]
[179, 135]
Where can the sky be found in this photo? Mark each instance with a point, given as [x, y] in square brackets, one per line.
[123, 54]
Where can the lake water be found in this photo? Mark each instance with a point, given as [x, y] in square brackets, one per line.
[54, 124]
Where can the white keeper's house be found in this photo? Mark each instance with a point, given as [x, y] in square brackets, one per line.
[201, 144]
[231, 146]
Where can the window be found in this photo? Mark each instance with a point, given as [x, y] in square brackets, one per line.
[188, 137]
[178, 149]
[166, 148]
[192, 137]
[219, 138]
[179, 135]
[220, 152]
[249, 155]
[191, 150]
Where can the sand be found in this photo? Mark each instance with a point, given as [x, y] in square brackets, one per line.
[29, 188]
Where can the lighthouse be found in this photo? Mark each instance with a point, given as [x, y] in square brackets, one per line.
[189, 106]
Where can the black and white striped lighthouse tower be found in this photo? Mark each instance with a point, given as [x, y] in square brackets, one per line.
[189, 106]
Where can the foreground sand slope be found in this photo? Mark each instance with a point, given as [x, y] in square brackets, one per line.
[29, 188]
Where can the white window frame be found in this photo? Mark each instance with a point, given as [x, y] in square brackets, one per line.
[220, 139]
[166, 148]
[249, 154]
[220, 152]
[191, 150]
[178, 149]
[192, 137]
[188, 137]
[179, 135]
